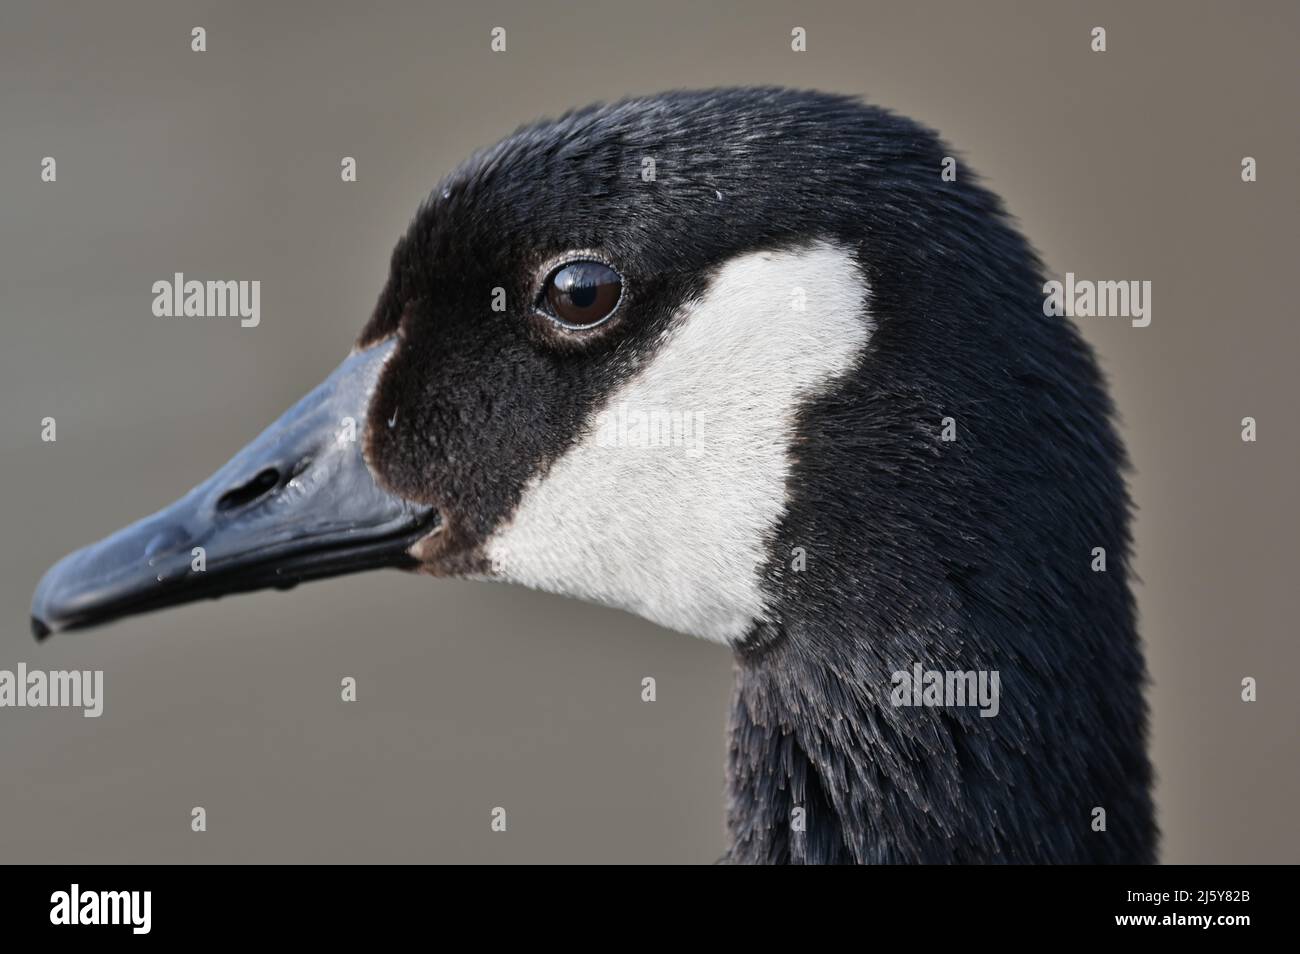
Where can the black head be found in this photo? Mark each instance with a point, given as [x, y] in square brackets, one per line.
[551, 278]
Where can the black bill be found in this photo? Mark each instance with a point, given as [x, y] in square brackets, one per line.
[298, 503]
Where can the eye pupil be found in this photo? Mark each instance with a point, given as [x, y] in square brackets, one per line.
[583, 294]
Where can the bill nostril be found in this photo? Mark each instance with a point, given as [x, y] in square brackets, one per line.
[265, 481]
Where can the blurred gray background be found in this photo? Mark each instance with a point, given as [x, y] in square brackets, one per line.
[225, 164]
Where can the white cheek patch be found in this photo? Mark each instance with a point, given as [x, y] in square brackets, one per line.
[664, 504]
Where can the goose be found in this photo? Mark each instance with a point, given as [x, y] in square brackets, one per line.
[745, 363]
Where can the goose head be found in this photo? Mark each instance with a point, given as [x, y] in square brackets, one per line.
[584, 374]
[748, 364]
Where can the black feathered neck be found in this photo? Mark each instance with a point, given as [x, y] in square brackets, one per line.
[974, 554]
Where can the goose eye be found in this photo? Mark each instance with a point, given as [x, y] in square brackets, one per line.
[583, 294]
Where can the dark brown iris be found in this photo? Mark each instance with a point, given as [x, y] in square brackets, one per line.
[582, 294]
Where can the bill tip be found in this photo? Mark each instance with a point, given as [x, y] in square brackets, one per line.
[40, 630]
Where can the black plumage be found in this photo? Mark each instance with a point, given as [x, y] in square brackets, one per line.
[973, 554]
